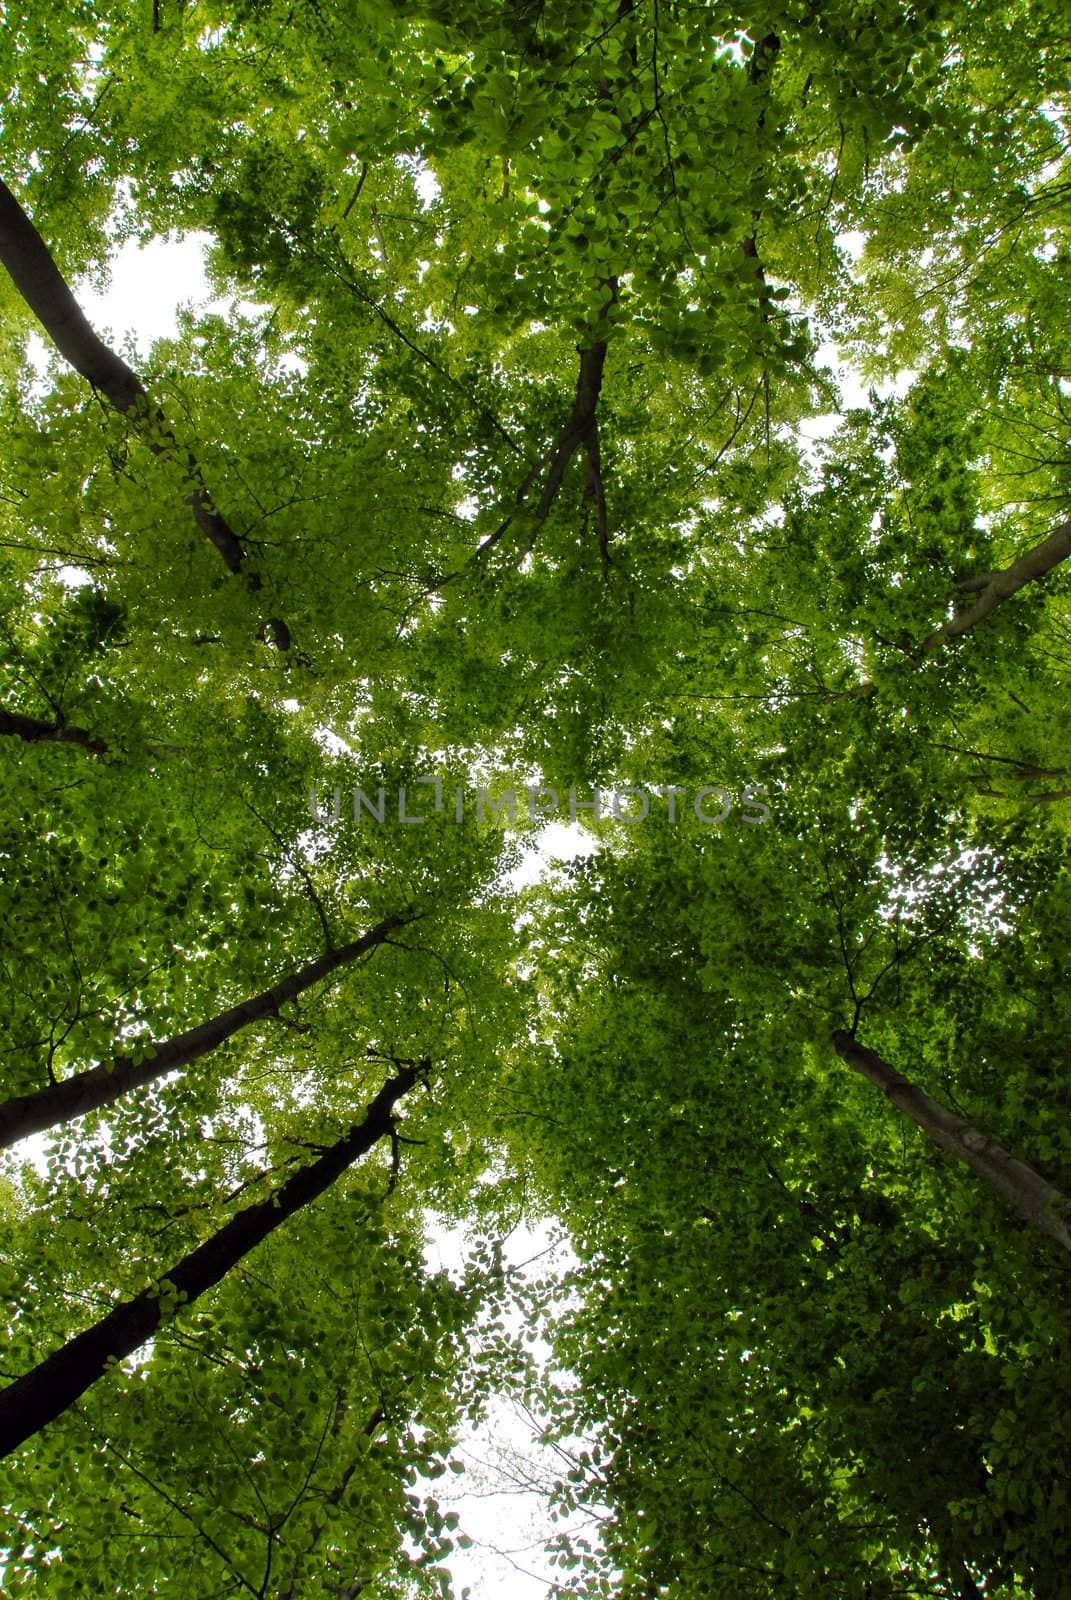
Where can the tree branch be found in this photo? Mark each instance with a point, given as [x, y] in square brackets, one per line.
[36, 732]
[580, 429]
[1044, 1206]
[101, 1085]
[46, 1391]
[997, 587]
[35, 275]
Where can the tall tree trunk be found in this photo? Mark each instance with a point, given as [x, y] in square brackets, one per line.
[37, 278]
[101, 1085]
[43, 1393]
[1042, 1205]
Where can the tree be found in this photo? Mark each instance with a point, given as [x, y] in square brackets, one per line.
[503, 469]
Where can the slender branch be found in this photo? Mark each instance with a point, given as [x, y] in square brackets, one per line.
[1026, 768]
[302, 872]
[347, 277]
[174, 1505]
[334, 1497]
[356, 195]
[1047, 797]
[763, 57]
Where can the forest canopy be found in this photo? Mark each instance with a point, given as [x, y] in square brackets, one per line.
[648, 416]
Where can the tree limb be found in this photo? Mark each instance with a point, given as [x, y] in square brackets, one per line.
[34, 731]
[101, 1085]
[35, 275]
[580, 429]
[994, 589]
[997, 587]
[46, 1391]
[1044, 1206]
[763, 57]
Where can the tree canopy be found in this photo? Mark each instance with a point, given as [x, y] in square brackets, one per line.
[645, 414]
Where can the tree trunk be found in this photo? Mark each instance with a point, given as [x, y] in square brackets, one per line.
[36, 732]
[43, 1393]
[993, 588]
[1042, 1205]
[101, 1085]
[581, 428]
[37, 278]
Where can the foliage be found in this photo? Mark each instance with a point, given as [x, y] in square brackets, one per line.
[525, 419]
